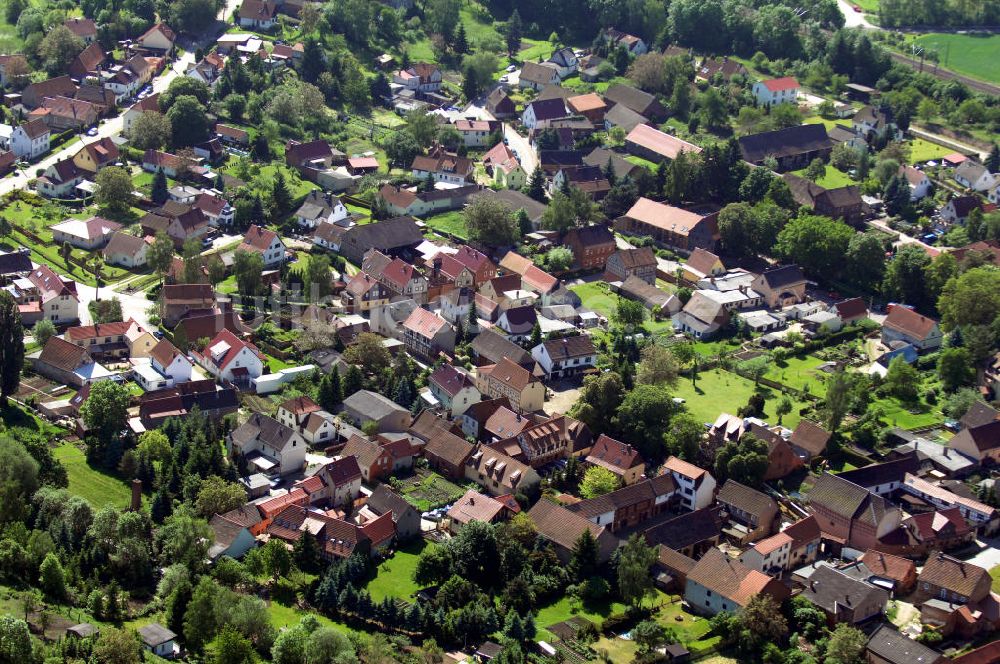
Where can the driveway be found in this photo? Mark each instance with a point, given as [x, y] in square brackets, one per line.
[989, 554]
[522, 147]
[564, 395]
[134, 305]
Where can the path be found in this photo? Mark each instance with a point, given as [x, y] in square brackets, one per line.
[853, 19]
[903, 237]
[522, 148]
[947, 141]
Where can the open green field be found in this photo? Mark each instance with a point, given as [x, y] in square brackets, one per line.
[94, 486]
[452, 222]
[719, 391]
[799, 373]
[921, 150]
[829, 123]
[595, 295]
[896, 414]
[394, 577]
[974, 55]
[832, 179]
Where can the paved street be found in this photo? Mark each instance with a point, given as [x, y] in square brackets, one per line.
[853, 19]
[522, 148]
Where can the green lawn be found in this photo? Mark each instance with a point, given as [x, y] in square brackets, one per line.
[449, 222]
[829, 123]
[995, 575]
[974, 55]
[921, 150]
[567, 608]
[283, 615]
[832, 179]
[869, 6]
[712, 348]
[427, 490]
[595, 295]
[394, 577]
[719, 391]
[91, 484]
[896, 414]
[798, 373]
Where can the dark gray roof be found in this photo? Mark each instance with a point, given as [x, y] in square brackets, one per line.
[882, 473]
[518, 201]
[891, 646]
[749, 500]
[266, 429]
[687, 529]
[14, 262]
[599, 157]
[834, 591]
[780, 277]
[384, 499]
[372, 405]
[155, 634]
[546, 109]
[388, 234]
[624, 117]
[633, 98]
[627, 496]
[784, 142]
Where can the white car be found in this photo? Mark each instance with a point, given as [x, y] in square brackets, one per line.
[511, 68]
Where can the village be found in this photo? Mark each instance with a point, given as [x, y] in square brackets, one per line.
[413, 337]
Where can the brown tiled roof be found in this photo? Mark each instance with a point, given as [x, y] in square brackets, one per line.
[683, 468]
[633, 258]
[803, 531]
[811, 437]
[515, 263]
[300, 405]
[35, 128]
[474, 506]
[81, 27]
[62, 354]
[749, 500]
[449, 447]
[424, 323]
[341, 471]
[365, 451]
[115, 329]
[888, 565]
[450, 379]
[625, 497]
[662, 144]
[674, 559]
[702, 260]
[513, 375]
[570, 347]
[663, 216]
[258, 238]
[727, 577]
[614, 455]
[688, 529]
[559, 525]
[164, 352]
[909, 322]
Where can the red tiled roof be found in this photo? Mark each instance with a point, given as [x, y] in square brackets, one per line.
[780, 84]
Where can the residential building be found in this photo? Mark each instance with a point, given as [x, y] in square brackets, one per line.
[384, 500]
[500, 474]
[670, 226]
[851, 514]
[474, 506]
[419, 77]
[227, 357]
[265, 242]
[695, 486]
[525, 391]
[634, 45]
[500, 104]
[621, 459]
[843, 598]
[427, 335]
[321, 207]
[887, 646]
[652, 144]
[566, 357]
[502, 164]
[980, 441]
[84, 28]
[364, 406]
[257, 15]
[178, 300]
[905, 324]
[57, 298]
[268, 446]
[776, 91]
[718, 583]
[875, 123]
[375, 461]
[538, 76]
[454, 388]
[702, 317]
[448, 453]
[159, 38]
[638, 101]
[625, 263]
[840, 203]
[629, 506]
[541, 110]
[30, 140]
[563, 528]
[68, 364]
[781, 286]
[792, 147]
[754, 515]
[159, 640]
[919, 183]
[391, 237]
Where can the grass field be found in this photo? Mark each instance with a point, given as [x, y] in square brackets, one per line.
[829, 123]
[452, 222]
[798, 373]
[394, 577]
[595, 295]
[921, 150]
[94, 486]
[995, 575]
[719, 391]
[896, 414]
[969, 54]
[567, 608]
[832, 179]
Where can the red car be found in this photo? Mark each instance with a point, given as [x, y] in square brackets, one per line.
[856, 8]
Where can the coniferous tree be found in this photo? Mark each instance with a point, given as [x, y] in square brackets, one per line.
[536, 185]
[11, 346]
[159, 193]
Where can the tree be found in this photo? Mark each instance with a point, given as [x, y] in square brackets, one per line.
[317, 276]
[247, 268]
[992, 162]
[598, 481]
[58, 48]
[105, 412]
[904, 277]
[744, 461]
[422, 126]
[160, 254]
[648, 634]
[630, 314]
[643, 418]
[865, 261]
[191, 16]
[52, 578]
[369, 352]
[217, 496]
[583, 561]
[490, 221]
[117, 646]
[43, 331]
[971, 299]
[114, 189]
[106, 311]
[536, 185]
[783, 408]
[461, 41]
[901, 380]
[150, 131]
[657, 366]
[763, 621]
[188, 121]
[159, 193]
[838, 397]
[231, 647]
[816, 243]
[559, 259]
[15, 640]
[816, 169]
[846, 645]
[683, 437]
[11, 346]
[599, 400]
[955, 368]
[896, 196]
[634, 563]
[512, 33]
[401, 147]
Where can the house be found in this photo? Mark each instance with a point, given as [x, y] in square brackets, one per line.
[849, 311]
[150, 104]
[474, 506]
[695, 486]
[517, 321]
[398, 276]
[375, 461]
[565, 61]
[718, 583]
[104, 340]
[427, 335]
[177, 300]
[60, 86]
[652, 144]
[500, 474]
[257, 15]
[92, 157]
[84, 28]
[781, 286]
[958, 209]
[702, 317]
[919, 183]
[809, 439]
[58, 300]
[490, 348]
[500, 105]
[563, 528]
[30, 140]
[65, 113]
[310, 154]
[235, 136]
[792, 147]
[973, 175]
[979, 441]
[978, 514]
[887, 646]
[474, 133]
[849, 514]
[86, 234]
[590, 106]
[591, 180]
[167, 366]
[309, 420]
[624, 117]
[442, 166]
[87, 61]
[160, 37]
[227, 357]
[413, 201]
[69, 364]
[769, 555]
[212, 400]
[618, 39]
[454, 388]
[541, 110]
[952, 580]
[231, 534]
[843, 598]
[902, 572]
[538, 76]
[840, 203]
[502, 164]
[629, 506]
[701, 264]
[420, 77]
[871, 123]
[691, 533]
[265, 242]
[172, 165]
[384, 500]
[364, 406]
[659, 302]
[60, 179]
[724, 67]
[776, 91]
[624, 263]
[447, 453]
[525, 391]
[636, 100]
[671, 569]
[591, 245]
[159, 640]
[267, 445]
[669, 225]
[755, 514]
[566, 357]
[905, 324]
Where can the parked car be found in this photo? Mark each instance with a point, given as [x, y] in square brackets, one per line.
[92, 131]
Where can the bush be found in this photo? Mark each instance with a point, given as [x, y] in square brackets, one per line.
[614, 623]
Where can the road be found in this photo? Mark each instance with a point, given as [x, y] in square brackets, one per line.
[522, 148]
[853, 19]
[133, 305]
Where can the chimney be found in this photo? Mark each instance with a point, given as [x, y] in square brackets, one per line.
[136, 503]
[812, 585]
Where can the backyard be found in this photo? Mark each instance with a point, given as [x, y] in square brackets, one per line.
[720, 391]
[426, 490]
[394, 577]
[832, 178]
[596, 296]
[94, 486]
[922, 150]
[452, 222]
[800, 373]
